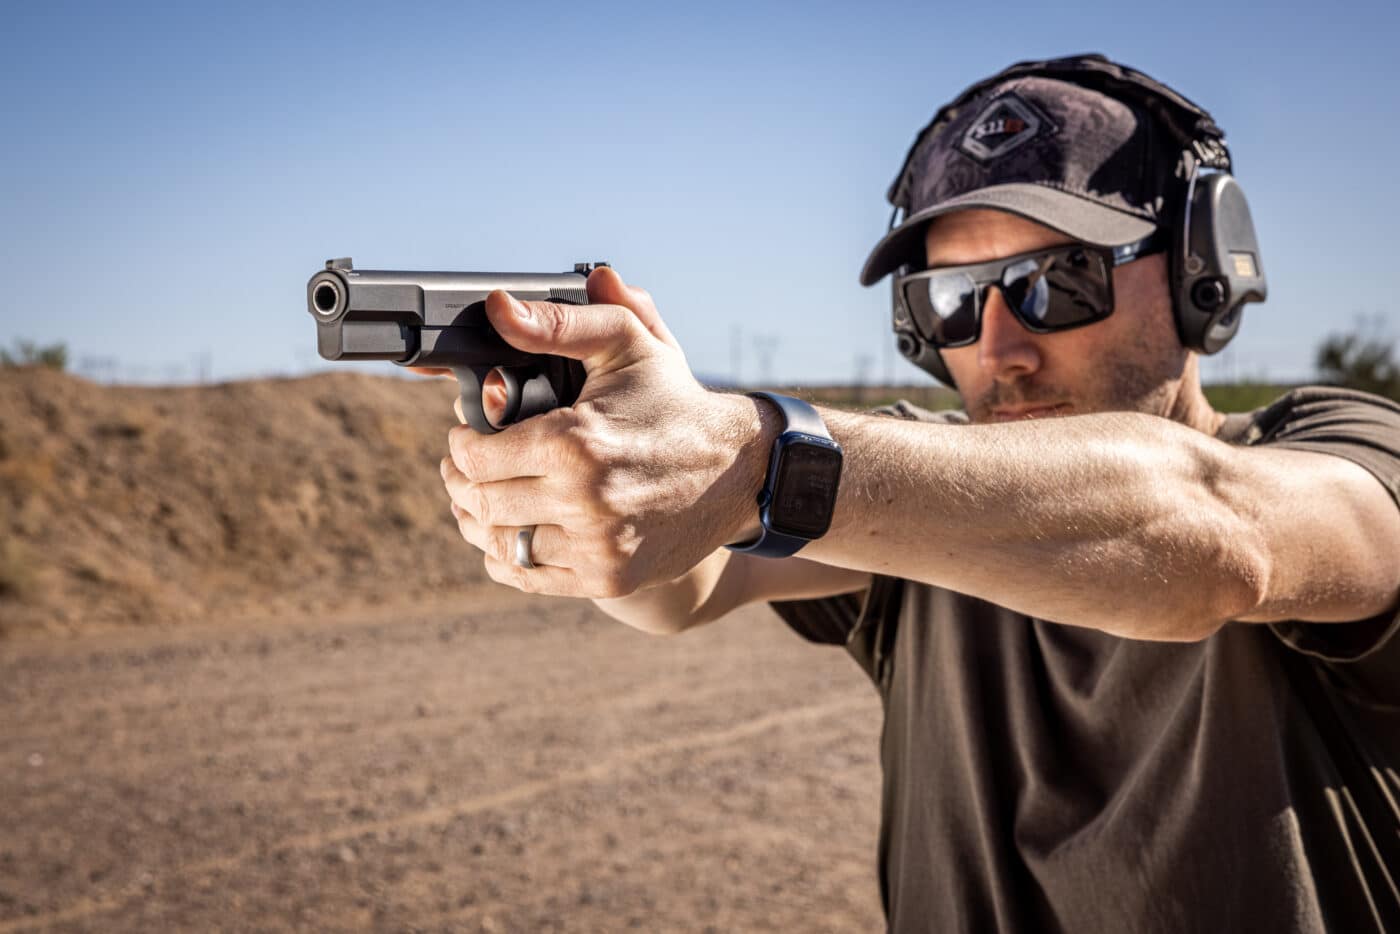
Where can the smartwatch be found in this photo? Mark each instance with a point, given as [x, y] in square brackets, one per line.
[799, 492]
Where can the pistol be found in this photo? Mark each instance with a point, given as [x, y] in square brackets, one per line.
[439, 319]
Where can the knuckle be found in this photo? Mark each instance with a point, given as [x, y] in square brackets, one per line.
[478, 505]
[620, 541]
[500, 542]
[612, 505]
[591, 446]
[581, 447]
[554, 320]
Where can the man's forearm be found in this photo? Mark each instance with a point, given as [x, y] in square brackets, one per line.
[674, 606]
[1117, 521]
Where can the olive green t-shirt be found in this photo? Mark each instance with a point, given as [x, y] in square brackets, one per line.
[1045, 777]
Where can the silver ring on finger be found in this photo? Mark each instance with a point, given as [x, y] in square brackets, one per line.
[523, 539]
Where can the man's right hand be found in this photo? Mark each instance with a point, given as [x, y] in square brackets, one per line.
[724, 580]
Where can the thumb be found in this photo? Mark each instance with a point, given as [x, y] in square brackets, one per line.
[606, 287]
[602, 337]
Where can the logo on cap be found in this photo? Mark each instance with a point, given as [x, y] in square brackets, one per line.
[1003, 126]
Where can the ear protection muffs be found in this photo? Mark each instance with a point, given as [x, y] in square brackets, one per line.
[1214, 266]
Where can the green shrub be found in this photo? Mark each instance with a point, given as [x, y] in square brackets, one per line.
[1243, 397]
[1358, 360]
[28, 353]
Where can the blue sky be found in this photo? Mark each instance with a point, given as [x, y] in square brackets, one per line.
[170, 175]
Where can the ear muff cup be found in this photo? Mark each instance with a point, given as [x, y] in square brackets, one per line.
[1216, 266]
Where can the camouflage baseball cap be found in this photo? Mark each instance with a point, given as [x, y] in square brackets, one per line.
[1091, 166]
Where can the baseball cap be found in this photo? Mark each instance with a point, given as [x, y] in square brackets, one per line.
[1093, 167]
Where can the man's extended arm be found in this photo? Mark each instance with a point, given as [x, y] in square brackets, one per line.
[1128, 523]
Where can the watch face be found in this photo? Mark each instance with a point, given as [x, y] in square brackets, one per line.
[804, 490]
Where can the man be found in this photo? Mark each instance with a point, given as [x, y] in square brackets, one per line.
[1140, 661]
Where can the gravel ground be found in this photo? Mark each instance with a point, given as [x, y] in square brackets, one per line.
[524, 765]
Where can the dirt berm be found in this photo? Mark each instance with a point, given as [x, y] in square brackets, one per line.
[168, 505]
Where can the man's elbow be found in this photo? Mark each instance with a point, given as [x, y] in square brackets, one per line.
[1232, 587]
[1228, 580]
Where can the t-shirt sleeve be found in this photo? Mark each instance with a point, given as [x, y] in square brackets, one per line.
[865, 623]
[1364, 429]
[826, 620]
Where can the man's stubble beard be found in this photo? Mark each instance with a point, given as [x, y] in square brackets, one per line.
[1146, 378]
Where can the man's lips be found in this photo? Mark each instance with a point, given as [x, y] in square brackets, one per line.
[1013, 413]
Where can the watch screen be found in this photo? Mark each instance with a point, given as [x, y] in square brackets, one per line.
[804, 494]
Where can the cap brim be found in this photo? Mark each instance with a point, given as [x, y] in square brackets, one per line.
[1070, 214]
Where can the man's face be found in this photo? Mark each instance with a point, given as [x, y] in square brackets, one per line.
[1130, 361]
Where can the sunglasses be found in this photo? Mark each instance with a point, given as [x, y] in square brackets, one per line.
[1054, 289]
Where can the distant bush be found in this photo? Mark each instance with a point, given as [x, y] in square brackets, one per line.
[28, 353]
[1243, 397]
[1363, 359]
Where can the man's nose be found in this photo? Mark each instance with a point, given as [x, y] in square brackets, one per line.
[1006, 350]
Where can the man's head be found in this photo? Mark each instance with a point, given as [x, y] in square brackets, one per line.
[1097, 167]
[1085, 151]
[1129, 361]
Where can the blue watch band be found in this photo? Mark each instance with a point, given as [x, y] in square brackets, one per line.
[802, 426]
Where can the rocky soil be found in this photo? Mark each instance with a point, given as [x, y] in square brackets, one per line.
[252, 680]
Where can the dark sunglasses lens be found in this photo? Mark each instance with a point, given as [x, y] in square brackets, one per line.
[1058, 290]
[944, 307]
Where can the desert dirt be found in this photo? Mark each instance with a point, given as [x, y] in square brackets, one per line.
[252, 680]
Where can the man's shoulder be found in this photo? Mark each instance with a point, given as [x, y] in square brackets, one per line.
[1310, 409]
[1312, 400]
[1300, 402]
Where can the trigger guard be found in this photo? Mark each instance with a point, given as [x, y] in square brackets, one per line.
[472, 381]
[528, 392]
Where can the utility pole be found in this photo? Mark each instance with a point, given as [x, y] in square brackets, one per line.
[863, 363]
[736, 354]
[764, 347]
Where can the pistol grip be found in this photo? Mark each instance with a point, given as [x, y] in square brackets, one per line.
[546, 383]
